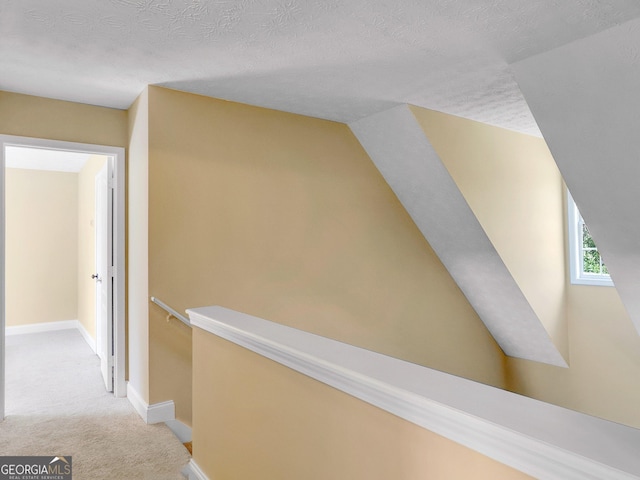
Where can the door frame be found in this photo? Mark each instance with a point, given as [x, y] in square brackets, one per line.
[103, 285]
[118, 156]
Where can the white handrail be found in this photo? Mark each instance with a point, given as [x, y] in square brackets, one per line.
[171, 311]
[537, 438]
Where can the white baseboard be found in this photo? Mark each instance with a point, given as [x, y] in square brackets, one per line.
[156, 413]
[195, 472]
[138, 403]
[161, 412]
[87, 337]
[41, 327]
[180, 430]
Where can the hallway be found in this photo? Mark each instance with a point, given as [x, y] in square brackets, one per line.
[57, 405]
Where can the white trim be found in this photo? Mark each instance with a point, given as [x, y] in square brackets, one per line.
[161, 412]
[180, 430]
[138, 403]
[119, 286]
[119, 165]
[155, 413]
[42, 327]
[540, 439]
[87, 337]
[195, 472]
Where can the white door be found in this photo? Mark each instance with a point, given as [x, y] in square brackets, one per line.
[103, 276]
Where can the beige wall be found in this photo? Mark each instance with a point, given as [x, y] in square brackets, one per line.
[514, 188]
[603, 376]
[285, 217]
[41, 246]
[262, 420]
[87, 242]
[28, 116]
[298, 227]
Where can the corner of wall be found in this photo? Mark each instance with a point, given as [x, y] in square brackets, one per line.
[138, 245]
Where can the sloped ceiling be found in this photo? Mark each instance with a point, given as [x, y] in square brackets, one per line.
[398, 146]
[335, 59]
[585, 96]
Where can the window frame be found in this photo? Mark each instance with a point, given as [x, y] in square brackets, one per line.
[577, 273]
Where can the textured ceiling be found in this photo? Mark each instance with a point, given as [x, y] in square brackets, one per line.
[334, 59]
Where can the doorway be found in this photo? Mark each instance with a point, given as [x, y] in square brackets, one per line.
[110, 280]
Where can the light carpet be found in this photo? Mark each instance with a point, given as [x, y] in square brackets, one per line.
[56, 404]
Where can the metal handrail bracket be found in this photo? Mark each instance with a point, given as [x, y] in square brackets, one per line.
[171, 311]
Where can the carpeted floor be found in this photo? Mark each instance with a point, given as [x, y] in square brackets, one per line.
[56, 404]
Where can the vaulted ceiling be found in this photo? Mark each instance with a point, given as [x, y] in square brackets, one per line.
[335, 59]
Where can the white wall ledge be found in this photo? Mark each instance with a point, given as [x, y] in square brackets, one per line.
[540, 439]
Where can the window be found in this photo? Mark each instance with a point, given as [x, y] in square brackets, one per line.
[585, 261]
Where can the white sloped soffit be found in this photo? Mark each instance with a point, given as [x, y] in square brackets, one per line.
[398, 147]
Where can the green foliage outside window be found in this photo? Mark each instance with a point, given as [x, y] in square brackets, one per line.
[591, 259]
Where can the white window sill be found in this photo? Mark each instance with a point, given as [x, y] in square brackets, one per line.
[595, 280]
